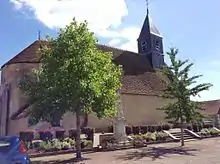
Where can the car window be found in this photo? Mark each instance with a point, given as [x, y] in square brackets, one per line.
[4, 143]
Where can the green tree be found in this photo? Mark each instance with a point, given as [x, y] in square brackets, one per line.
[180, 88]
[74, 76]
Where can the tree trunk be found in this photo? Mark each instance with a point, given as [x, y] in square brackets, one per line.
[78, 132]
[85, 121]
[182, 137]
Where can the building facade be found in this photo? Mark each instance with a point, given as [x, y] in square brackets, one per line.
[142, 84]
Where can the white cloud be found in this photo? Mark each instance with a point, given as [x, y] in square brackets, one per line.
[17, 4]
[130, 34]
[102, 16]
[114, 42]
[130, 46]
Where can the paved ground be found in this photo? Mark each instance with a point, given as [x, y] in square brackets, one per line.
[195, 152]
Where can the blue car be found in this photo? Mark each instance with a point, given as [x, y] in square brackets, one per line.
[13, 151]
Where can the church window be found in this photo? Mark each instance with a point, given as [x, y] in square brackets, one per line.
[157, 45]
[144, 46]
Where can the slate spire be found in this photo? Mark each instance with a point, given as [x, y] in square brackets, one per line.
[150, 42]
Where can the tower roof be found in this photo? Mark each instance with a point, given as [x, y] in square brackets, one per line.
[149, 27]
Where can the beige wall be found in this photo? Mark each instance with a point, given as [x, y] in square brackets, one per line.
[142, 110]
[138, 110]
[11, 74]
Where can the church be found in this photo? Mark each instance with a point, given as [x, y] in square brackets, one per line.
[142, 84]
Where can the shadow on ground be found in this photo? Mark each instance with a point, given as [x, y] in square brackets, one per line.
[69, 161]
[156, 153]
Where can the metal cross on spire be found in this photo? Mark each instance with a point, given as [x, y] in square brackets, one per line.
[39, 35]
[147, 4]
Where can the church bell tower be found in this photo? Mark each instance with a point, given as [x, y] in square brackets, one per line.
[150, 43]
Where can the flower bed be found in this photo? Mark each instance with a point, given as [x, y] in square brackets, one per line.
[55, 145]
[144, 139]
[209, 132]
[137, 140]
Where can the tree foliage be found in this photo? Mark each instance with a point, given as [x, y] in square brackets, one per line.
[180, 88]
[74, 76]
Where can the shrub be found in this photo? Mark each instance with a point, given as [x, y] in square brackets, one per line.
[150, 136]
[195, 128]
[166, 126]
[72, 134]
[70, 141]
[57, 145]
[161, 136]
[207, 126]
[158, 128]
[26, 136]
[199, 127]
[46, 146]
[138, 137]
[143, 129]
[65, 145]
[128, 130]
[151, 129]
[106, 141]
[45, 135]
[139, 140]
[28, 145]
[86, 143]
[214, 132]
[89, 132]
[205, 132]
[189, 127]
[176, 125]
[36, 144]
[60, 134]
[37, 136]
[135, 130]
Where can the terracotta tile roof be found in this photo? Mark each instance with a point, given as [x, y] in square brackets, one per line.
[139, 76]
[211, 107]
[28, 55]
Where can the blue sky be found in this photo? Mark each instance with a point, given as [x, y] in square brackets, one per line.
[192, 26]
